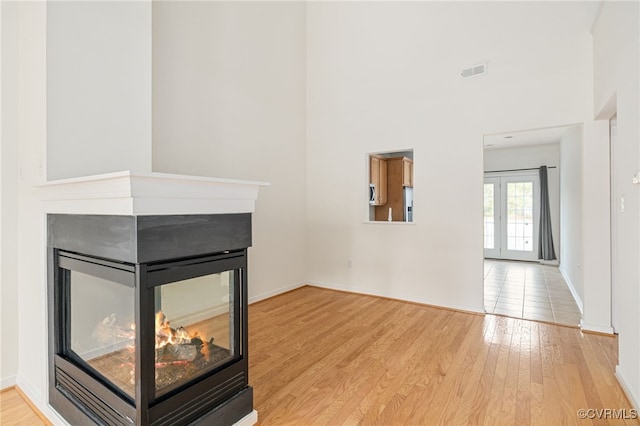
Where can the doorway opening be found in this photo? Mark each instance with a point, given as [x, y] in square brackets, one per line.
[524, 274]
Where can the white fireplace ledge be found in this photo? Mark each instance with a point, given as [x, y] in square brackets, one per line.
[129, 193]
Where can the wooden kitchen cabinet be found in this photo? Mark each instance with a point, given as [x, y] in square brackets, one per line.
[399, 175]
[378, 180]
[407, 172]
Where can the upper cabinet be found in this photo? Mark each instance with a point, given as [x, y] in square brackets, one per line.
[377, 180]
[391, 186]
[398, 179]
[407, 172]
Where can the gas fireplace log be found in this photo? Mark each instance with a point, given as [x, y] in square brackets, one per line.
[173, 353]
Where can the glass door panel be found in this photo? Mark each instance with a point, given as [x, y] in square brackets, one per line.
[194, 327]
[520, 229]
[520, 216]
[492, 217]
[102, 328]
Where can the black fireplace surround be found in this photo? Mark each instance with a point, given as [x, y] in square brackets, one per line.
[114, 356]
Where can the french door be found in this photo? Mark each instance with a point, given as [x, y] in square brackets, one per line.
[511, 217]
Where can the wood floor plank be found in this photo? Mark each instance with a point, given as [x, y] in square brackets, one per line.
[523, 389]
[507, 413]
[537, 404]
[546, 352]
[484, 384]
[536, 370]
[495, 395]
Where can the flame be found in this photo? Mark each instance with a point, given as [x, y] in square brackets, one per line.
[166, 335]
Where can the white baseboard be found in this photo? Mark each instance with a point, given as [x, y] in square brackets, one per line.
[8, 382]
[248, 420]
[633, 399]
[370, 292]
[572, 289]
[596, 328]
[267, 295]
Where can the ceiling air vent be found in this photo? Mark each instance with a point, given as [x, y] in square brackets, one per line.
[474, 71]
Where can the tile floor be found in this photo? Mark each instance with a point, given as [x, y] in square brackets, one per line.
[528, 290]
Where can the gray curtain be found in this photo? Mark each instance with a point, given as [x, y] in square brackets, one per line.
[545, 240]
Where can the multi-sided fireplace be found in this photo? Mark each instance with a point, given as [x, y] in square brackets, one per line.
[148, 318]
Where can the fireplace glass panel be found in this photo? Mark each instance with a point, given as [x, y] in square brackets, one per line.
[102, 327]
[194, 325]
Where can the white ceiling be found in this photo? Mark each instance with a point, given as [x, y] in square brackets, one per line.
[523, 138]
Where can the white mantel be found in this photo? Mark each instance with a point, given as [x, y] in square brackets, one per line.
[135, 194]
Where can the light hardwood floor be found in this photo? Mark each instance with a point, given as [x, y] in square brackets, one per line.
[15, 411]
[321, 357]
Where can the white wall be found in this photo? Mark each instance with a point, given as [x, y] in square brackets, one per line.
[32, 320]
[533, 157]
[384, 76]
[616, 88]
[9, 193]
[229, 101]
[98, 87]
[571, 212]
